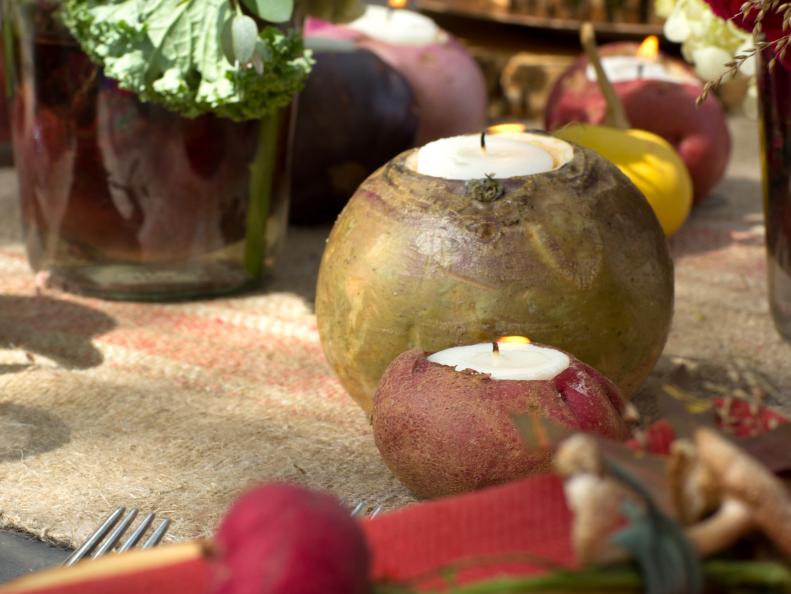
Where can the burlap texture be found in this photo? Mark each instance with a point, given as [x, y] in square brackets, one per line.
[176, 408]
[171, 408]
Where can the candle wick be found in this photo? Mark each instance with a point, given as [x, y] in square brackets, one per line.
[483, 141]
[640, 68]
[389, 14]
[495, 348]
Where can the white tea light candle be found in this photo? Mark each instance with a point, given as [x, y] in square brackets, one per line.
[505, 361]
[397, 26]
[504, 155]
[626, 68]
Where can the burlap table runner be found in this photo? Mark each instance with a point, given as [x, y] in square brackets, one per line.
[175, 408]
[172, 408]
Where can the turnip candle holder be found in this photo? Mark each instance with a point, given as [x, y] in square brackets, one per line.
[659, 94]
[444, 422]
[572, 257]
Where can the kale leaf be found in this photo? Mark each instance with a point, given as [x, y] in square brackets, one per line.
[170, 52]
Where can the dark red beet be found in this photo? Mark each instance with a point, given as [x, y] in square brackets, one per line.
[354, 115]
[286, 539]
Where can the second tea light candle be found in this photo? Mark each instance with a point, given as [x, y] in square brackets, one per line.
[505, 360]
[398, 26]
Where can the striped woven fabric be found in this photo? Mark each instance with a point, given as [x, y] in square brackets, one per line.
[178, 407]
[172, 407]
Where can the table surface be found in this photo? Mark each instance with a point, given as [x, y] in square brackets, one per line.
[721, 327]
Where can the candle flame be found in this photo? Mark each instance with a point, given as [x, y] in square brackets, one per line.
[397, 4]
[506, 129]
[649, 48]
[516, 339]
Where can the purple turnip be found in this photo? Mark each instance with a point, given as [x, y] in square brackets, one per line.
[355, 114]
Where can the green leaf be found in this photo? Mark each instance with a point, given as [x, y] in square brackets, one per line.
[226, 42]
[274, 11]
[174, 52]
[244, 34]
[667, 560]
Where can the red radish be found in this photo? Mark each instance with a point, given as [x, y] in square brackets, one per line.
[286, 539]
[448, 85]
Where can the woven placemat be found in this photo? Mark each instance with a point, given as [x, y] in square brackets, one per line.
[172, 408]
[176, 408]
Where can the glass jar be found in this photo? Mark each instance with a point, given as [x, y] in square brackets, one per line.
[774, 101]
[127, 200]
[5, 126]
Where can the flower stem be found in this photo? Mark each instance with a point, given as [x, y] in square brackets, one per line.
[261, 177]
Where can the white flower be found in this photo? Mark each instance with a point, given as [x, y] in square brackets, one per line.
[706, 40]
[710, 62]
[677, 26]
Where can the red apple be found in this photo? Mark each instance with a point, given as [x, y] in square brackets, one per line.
[669, 109]
[442, 431]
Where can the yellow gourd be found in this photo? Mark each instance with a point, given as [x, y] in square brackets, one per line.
[647, 159]
[652, 164]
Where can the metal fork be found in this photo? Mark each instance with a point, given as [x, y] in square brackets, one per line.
[363, 509]
[93, 547]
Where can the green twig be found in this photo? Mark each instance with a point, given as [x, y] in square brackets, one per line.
[734, 577]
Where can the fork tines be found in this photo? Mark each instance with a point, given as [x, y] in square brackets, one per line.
[97, 545]
[361, 509]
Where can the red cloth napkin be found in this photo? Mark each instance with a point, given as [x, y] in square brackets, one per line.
[513, 526]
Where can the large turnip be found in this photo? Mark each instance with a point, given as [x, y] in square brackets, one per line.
[573, 258]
